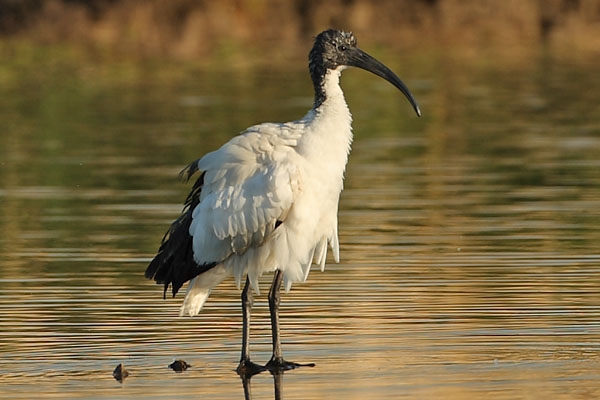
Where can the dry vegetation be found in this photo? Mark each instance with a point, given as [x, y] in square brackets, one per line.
[188, 29]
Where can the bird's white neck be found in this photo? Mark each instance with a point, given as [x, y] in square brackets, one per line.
[332, 104]
[328, 136]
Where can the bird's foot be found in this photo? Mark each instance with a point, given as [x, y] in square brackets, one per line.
[248, 369]
[278, 364]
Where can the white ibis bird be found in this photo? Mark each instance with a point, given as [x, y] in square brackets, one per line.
[267, 200]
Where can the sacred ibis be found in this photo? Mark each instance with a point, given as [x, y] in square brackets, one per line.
[267, 200]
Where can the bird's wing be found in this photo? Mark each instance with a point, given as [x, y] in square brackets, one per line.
[249, 187]
[174, 263]
[244, 192]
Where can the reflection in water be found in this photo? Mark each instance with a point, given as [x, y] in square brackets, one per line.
[469, 241]
[277, 385]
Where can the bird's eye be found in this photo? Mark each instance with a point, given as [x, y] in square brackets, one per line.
[342, 47]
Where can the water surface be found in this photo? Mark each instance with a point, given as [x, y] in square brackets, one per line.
[468, 237]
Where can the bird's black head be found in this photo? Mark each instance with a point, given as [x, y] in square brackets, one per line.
[334, 49]
[330, 51]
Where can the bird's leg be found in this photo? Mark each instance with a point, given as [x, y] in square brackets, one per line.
[247, 303]
[247, 368]
[274, 301]
[277, 363]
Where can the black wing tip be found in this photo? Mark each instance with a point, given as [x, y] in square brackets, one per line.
[175, 275]
[174, 264]
[189, 170]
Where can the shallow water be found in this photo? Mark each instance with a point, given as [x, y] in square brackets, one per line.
[469, 237]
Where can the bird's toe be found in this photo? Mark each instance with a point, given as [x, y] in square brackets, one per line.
[279, 364]
[247, 368]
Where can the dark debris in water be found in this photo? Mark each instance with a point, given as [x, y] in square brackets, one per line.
[120, 373]
[179, 365]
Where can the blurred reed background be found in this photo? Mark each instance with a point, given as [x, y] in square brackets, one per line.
[105, 30]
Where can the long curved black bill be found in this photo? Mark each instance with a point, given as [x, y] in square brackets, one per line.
[360, 59]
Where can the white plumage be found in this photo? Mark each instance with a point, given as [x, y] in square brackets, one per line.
[268, 199]
[290, 172]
